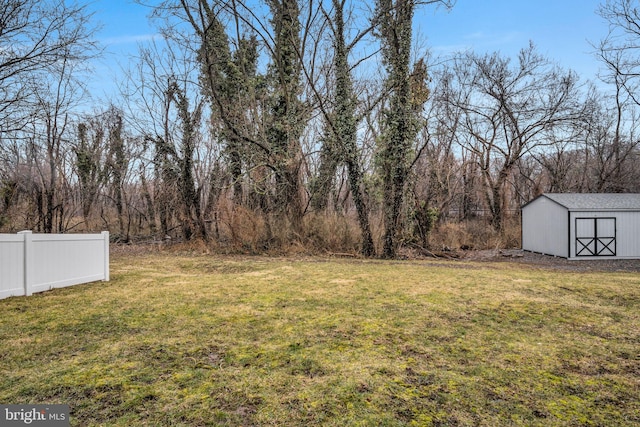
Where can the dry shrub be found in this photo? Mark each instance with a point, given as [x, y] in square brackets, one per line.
[243, 230]
[331, 232]
[191, 247]
[453, 235]
[240, 229]
[476, 234]
[281, 236]
[512, 233]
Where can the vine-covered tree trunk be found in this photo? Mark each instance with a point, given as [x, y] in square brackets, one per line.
[322, 184]
[88, 165]
[346, 129]
[228, 80]
[118, 168]
[192, 220]
[395, 29]
[287, 111]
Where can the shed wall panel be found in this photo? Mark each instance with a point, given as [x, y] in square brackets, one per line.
[545, 227]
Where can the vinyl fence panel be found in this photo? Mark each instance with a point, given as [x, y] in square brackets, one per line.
[11, 265]
[38, 262]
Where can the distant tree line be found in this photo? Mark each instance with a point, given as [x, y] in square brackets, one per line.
[257, 126]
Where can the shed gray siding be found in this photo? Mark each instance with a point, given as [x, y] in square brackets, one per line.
[545, 227]
[627, 233]
[583, 226]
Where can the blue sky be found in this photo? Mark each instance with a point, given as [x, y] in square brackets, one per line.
[123, 26]
[561, 30]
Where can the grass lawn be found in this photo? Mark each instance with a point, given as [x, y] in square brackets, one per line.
[203, 340]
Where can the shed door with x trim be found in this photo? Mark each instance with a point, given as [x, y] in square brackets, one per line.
[595, 237]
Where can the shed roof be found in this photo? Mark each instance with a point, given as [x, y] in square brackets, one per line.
[596, 201]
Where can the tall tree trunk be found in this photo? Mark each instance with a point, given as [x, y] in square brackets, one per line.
[146, 195]
[323, 182]
[192, 221]
[346, 130]
[235, 164]
[50, 187]
[118, 169]
[287, 122]
[395, 28]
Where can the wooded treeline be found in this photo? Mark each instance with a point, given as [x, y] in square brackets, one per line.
[261, 125]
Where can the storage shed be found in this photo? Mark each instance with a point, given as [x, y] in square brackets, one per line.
[583, 226]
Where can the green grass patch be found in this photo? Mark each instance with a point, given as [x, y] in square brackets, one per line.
[200, 340]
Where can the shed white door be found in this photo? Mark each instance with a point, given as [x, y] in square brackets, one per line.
[595, 237]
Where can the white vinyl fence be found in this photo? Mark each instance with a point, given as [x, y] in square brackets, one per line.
[32, 263]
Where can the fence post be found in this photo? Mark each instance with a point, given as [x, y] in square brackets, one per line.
[28, 261]
[105, 236]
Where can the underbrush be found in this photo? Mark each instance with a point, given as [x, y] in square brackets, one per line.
[476, 234]
[237, 229]
[242, 231]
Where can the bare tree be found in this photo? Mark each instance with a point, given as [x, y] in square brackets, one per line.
[620, 49]
[610, 135]
[620, 52]
[511, 110]
[166, 111]
[41, 41]
[435, 160]
[37, 36]
[48, 147]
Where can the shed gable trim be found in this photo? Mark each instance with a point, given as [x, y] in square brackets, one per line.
[546, 197]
